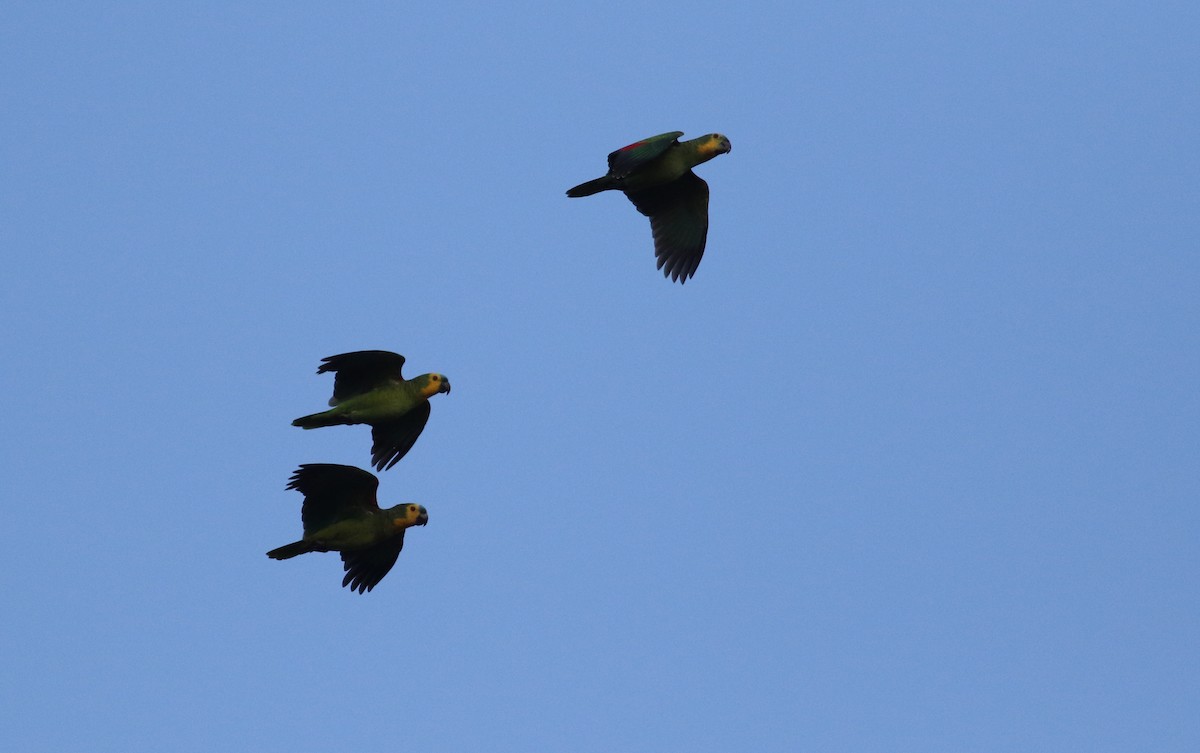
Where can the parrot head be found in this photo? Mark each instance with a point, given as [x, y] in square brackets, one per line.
[406, 516]
[432, 384]
[715, 144]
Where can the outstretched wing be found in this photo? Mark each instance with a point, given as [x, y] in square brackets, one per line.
[361, 371]
[629, 158]
[392, 440]
[678, 215]
[366, 567]
[333, 493]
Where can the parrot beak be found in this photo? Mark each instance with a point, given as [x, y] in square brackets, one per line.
[423, 517]
[445, 386]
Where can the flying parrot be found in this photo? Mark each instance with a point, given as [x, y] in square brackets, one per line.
[341, 514]
[656, 175]
[368, 389]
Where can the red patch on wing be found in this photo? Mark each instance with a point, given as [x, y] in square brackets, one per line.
[627, 148]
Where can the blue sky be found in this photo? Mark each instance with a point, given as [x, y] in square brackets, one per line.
[911, 464]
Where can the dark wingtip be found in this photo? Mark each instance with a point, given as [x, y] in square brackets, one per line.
[384, 461]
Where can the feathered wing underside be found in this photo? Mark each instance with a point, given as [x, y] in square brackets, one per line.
[366, 567]
[629, 158]
[361, 371]
[678, 215]
[333, 493]
[392, 440]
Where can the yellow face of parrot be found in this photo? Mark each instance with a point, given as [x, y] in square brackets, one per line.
[715, 144]
[434, 383]
[410, 515]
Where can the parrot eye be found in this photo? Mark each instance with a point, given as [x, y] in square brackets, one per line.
[435, 377]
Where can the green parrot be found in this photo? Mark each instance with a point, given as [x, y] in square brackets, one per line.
[368, 389]
[341, 514]
[656, 175]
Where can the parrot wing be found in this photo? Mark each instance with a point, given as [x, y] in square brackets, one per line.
[629, 158]
[392, 440]
[678, 215]
[333, 493]
[366, 567]
[361, 371]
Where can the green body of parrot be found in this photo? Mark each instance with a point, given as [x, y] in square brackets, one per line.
[656, 175]
[341, 514]
[368, 389]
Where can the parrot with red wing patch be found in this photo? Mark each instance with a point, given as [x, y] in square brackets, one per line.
[656, 175]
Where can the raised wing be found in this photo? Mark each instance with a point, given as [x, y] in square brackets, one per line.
[629, 158]
[361, 371]
[333, 492]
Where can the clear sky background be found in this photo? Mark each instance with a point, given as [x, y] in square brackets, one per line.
[913, 463]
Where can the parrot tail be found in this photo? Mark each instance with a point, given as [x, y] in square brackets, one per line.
[592, 186]
[317, 420]
[288, 551]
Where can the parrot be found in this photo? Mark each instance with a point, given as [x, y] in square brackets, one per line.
[656, 175]
[341, 514]
[369, 389]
